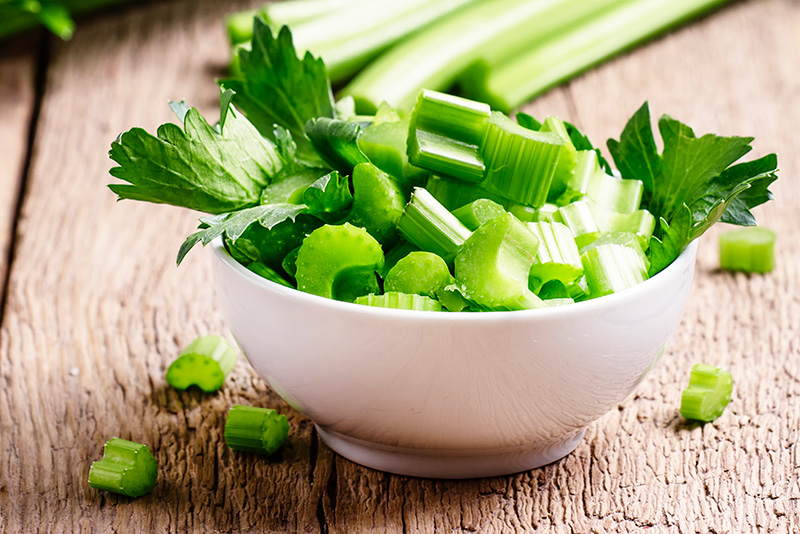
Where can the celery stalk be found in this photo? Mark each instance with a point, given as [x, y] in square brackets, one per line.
[612, 268]
[426, 224]
[400, 301]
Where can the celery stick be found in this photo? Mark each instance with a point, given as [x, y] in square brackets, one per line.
[612, 268]
[751, 250]
[421, 273]
[640, 222]
[204, 363]
[557, 257]
[428, 225]
[586, 166]
[474, 214]
[400, 301]
[615, 194]
[258, 430]
[492, 266]
[127, 468]
[377, 202]
[567, 159]
[578, 217]
[708, 393]
[578, 47]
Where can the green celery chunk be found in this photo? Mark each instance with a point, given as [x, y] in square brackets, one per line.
[426, 224]
[265, 272]
[578, 217]
[474, 214]
[334, 261]
[395, 254]
[451, 298]
[523, 213]
[639, 222]
[400, 301]
[557, 257]
[377, 202]
[454, 193]
[751, 250]
[421, 273]
[579, 290]
[587, 166]
[612, 268]
[385, 145]
[629, 239]
[520, 163]
[567, 159]
[204, 363]
[553, 289]
[258, 430]
[492, 266]
[355, 285]
[126, 468]
[615, 194]
[708, 394]
[445, 133]
[290, 187]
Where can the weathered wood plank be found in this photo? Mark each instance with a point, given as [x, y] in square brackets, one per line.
[96, 310]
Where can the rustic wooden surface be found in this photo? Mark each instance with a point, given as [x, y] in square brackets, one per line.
[95, 310]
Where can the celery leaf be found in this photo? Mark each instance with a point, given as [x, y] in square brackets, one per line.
[336, 142]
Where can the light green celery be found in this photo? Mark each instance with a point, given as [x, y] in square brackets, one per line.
[751, 250]
[553, 289]
[127, 468]
[579, 46]
[615, 194]
[333, 260]
[612, 268]
[258, 430]
[377, 202]
[586, 166]
[452, 299]
[385, 146]
[578, 217]
[478, 212]
[567, 159]
[708, 393]
[492, 266]
[552, 303]
[557, 256]
[523, 213]
[454, 194]
[204, 363]
[400, 301]
[290, 189]
[421, 273]
[437, 57]
[579, 290]
[445, 133]
[426, 224]
[520, 163]
[277, 14]
[395, 254]
[640, 222]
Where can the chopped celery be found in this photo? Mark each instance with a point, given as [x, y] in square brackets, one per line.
[551, 303]
[395, 254]
[708, 394]
[557, 257]
[523, 213]
[478, 212]
[579, 290]
[400, 301]
[204, 363]
[265, 272]
[270, 246]
[567, 159]
[259, 430]
[578, 217]
[452, 299]
[454, 194]
[640, 223]
[290, 187]
[553, 289]
[377, 202]
[615, 194]
[334, 258]
[428, 225]
[127, 468]
[336, 142]
[751, 250]
[612, 268]
[586, 166]
[385, 146]
[492, 266]
[421, 273]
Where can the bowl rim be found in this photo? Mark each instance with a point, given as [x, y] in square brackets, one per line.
[685, 259]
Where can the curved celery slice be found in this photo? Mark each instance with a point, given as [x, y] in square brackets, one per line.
[454, 194]
[428, 225]
[265, 272]
[400, 301]
[557, 257]
[612, 268]
[615, 194]
[567, 159]
[750, 250]
[331, 255]
[127, 468]
[492, 266]
[259, 430]
[421, 273]
[395, 254]
[204, 363]
[578, 217]
[474, 214]
[708, 394]
[378, 202]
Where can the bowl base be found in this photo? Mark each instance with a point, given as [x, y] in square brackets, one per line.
[447, 464]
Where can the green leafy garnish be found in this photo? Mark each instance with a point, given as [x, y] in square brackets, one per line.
[336, 142]
[693, 183]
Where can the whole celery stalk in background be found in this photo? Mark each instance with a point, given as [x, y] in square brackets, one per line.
[56, 15]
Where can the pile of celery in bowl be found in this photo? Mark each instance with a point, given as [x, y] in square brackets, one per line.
[445, 206]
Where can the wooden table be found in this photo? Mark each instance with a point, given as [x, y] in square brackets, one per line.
[94, 310]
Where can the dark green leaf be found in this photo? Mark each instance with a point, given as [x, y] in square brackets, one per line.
[527, 121]
[329, 194]
[635, 153]
[336, 142]
[581, 142]
[674, 238]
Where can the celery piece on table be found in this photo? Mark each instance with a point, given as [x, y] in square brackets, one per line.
[400, 301]
[429, 226]
[378, 202]
[751, 250]
[611, 268]
[334, 261]
[127, 468]
[492, 266]
[204, 363]
[258, 430]
[421, 273]
[708, 393]
[557, 256]
[474, 214]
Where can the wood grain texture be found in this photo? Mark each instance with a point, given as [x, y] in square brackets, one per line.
[96, 310]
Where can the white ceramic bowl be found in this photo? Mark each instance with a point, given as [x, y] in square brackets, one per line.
[451, 395]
